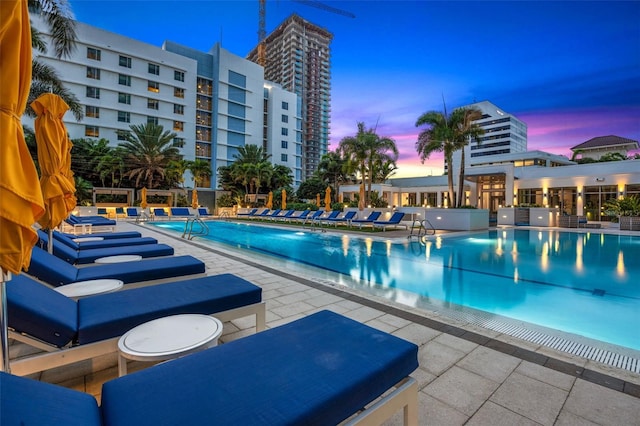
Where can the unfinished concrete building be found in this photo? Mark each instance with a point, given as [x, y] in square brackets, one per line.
[298, 57]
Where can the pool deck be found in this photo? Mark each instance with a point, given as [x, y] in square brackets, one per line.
[467, 375]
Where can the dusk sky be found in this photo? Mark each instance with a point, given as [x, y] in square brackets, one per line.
[570, 70]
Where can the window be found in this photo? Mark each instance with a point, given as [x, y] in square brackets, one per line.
[178, 142]
[124, 80]
[124, 98]
[153, 104]
[285, 118]
[152, 120]
[92, 111]
[123, 135]
[153, 86]
[93, 92]
[92, 131]
[178, 75]
[284, 158]
[124, 117]
[237, 79]
[178, 109]
[125, 61]
[178, 92]
[178, 125]
[284, 144]
[154, 69]
[285, 106]
[284, 131]
[93, 53]
[93, 72]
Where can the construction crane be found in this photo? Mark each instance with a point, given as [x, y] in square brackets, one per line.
[262, 17]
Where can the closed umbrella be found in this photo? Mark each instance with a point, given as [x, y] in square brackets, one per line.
[194, 198]
[53, 156]
[284, 199]
[361, 198]
[318, 200]
[327, 199]
[21, 203]
[143, 198]
[270, 200]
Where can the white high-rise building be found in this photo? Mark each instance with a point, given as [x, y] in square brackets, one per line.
[214, 101]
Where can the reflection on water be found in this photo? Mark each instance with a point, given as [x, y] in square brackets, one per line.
[578, 283]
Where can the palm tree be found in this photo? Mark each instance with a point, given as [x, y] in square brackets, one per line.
[85, 158]
[149, 150]
[439, 137]
[58, 17]
[111, 165]
[364, 149]
[200, 170]
[466, 130]
[281, 177]
[332, 169]
[176, 170]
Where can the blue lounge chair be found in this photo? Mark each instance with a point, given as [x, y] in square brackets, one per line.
[90, 244]
[283, 215]
[79, 257]
[160, 213]
[120, 212]
[313, 216]
[203, 213]
[373, 216]
[302, 215]
[83, 224]
[247, 213]
[265, 213]
[180, 212]
[326, 217]
[271, 214]
[52, 270]
[90, 327]
[393, 222]
[104, 235]
[103, 212]
[344, 219]
[321, 369]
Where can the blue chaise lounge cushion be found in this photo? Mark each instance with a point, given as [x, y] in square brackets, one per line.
[110, 315]
[112, 242]
[41, 312]
[55, 271]
[29, 402]
[318, 370]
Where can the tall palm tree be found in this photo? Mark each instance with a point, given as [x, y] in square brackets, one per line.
[58, 17]
[466, 131]
[176, 170]
[364, 149]
[281, 178]
[438, 137]
[111, 165]
[200, 170]
[149, 150]
[332, 169]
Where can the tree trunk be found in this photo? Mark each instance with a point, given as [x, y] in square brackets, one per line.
[461, 180]
[450, 181]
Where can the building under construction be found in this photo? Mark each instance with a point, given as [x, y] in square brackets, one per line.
[297, 56]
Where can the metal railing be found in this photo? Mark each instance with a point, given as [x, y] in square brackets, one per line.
[189, 231]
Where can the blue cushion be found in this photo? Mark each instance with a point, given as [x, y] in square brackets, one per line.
[85, 256]
[55, 271]
[144, 270]
[29, 402]
[111, 242]
[41, 312]
[94, 220]
[180, 211]
[113, 314]
[50, 269]
[316, 370]
[107, 235]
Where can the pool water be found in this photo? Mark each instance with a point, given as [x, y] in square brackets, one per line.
[580, 283]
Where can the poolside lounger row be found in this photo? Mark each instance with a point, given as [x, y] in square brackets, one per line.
[73, 331]
[89, 255]
[322, 369]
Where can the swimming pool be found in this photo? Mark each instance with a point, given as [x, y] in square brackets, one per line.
[580, 283]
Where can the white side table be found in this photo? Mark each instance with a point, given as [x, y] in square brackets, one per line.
[119, 259]
[168, 338]
[85, 239]
[89, 288]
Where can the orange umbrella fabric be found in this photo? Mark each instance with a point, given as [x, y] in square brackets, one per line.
[270, 200]
[53, 151]
[318, 200]
[143, 198]
[284, 199]
[21, 203]
[327, 199]
[361, 198]
[194, 198]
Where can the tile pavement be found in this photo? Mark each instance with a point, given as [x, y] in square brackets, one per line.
[466, 377]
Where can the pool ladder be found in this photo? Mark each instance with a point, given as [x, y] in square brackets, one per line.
[189, 231]
[422, 230]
